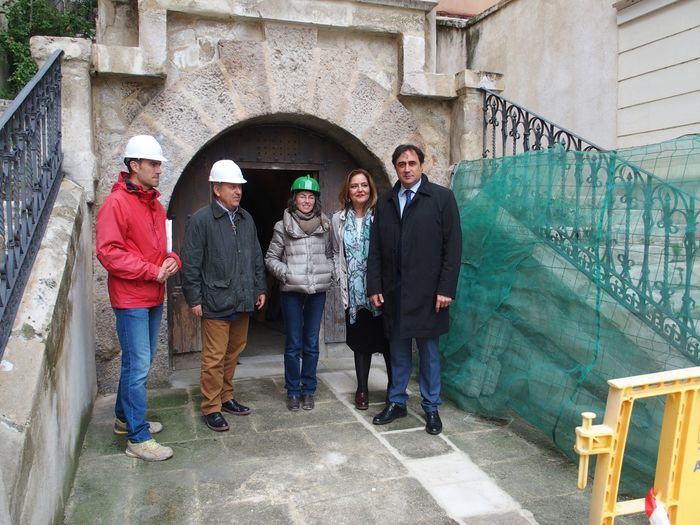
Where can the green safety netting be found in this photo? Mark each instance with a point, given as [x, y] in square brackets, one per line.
[577, 267]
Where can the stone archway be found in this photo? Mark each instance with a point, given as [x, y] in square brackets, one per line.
[271, 154]
[285, 77]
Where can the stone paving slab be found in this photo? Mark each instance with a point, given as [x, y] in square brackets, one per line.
[328, 465]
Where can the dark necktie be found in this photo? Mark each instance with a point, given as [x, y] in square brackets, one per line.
[409, 195]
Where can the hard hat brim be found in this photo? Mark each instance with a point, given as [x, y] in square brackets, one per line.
[218, 179]
[158, 158]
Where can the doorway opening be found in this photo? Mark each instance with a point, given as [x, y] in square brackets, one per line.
[266, 195]
[271, 156]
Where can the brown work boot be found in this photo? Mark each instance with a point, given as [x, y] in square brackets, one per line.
[148, 451]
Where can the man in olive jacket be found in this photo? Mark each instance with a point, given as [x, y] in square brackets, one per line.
[412, 270]
[223, 281]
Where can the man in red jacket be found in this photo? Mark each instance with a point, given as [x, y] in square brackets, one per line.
[131, 244]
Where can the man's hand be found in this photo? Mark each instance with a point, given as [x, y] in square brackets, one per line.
[377, 300]
[170, 266]
[260, 302]
[441, 302]
[197, 310]
[167, 270]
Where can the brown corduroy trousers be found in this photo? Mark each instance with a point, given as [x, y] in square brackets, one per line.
[222, 343]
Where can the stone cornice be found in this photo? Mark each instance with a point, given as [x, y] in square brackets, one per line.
[411, 25]
[422, 5]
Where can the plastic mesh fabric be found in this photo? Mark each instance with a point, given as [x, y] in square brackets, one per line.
[577, 268]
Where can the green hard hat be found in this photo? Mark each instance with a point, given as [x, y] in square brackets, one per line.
[306, 183]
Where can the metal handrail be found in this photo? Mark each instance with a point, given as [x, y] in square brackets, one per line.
[516, 122]
[630, 231]
[30, 169]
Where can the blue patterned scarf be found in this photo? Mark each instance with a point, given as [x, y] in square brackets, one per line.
[356, 250]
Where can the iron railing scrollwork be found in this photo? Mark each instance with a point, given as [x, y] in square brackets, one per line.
[510, 129]
[631, 232]
[30, 169]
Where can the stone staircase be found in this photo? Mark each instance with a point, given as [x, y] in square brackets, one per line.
[552, 342]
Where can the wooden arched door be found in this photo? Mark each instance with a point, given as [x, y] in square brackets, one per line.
[271, 157]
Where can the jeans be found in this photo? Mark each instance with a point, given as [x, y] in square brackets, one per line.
[302, 315]
[137, 329]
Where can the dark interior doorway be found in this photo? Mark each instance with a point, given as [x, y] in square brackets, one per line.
[266, 194]
[271, 156]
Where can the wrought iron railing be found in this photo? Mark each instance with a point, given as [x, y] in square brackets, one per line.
[30, 162]
[510, 129]
[617, 223]
[632, 233]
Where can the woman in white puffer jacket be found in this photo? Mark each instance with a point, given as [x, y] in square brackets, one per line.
[300, 257]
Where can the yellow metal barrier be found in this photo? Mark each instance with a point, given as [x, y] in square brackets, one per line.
[677, 479]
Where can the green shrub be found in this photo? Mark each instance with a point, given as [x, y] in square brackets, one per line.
[26, 18]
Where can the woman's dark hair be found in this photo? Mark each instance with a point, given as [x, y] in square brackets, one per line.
[292, 205]
[403, 148]
[345, 188]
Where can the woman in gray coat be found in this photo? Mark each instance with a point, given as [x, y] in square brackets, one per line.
[350, 229]
[300, 258]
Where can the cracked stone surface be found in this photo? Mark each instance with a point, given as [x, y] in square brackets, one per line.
[328, 465]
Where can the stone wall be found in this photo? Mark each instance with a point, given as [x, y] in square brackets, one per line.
[47, 383]
[361, 73]
[558, 59]
[220, 76]
[198, 71]
[452, 48]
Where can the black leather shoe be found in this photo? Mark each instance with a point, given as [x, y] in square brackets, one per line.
[307, 401]
[293, 403]
[234, 407]
[216, 422]
[391, 412]
[433, 425]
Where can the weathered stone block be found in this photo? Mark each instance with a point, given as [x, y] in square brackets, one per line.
[365, 103]
[333, 78]
[214, 89]
[388, 19]
[46, 397]
[394, 126]
[290, 66]
[245, 64]
[428, 85]
[172, 111]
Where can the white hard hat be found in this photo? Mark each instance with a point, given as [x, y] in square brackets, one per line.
[144, 147]
[226, 171]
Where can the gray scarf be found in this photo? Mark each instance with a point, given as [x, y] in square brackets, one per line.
[308, 222]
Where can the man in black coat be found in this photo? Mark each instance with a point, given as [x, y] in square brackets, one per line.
[412, 270]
